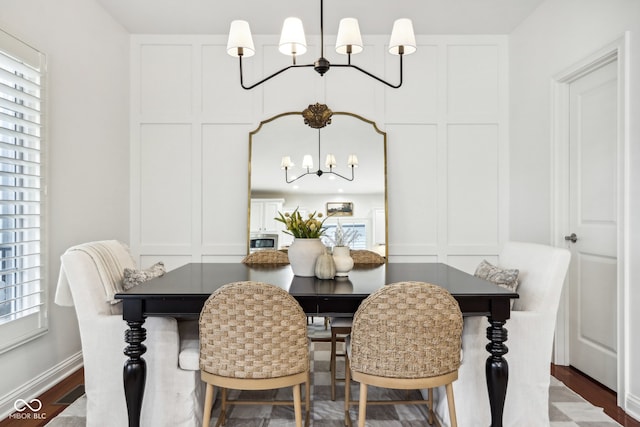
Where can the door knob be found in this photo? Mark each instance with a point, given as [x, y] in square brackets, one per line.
[573, 238]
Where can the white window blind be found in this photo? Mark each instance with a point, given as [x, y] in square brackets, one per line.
[22, 302]
[360, 230]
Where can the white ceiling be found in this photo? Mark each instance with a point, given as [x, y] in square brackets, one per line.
[265, 17]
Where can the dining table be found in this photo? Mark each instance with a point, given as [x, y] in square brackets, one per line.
[182, 292]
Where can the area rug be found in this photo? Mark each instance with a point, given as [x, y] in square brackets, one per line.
[566, 408]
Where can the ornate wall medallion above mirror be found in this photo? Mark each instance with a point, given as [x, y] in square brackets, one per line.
[317, 115]
[312, 159]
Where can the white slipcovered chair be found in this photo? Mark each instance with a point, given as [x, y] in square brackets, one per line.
[530, 342]
[89, 276]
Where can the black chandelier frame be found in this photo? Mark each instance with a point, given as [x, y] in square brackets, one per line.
[322, 64]
[319, 172]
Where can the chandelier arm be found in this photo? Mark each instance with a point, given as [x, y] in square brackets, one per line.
[268, 77]
[286, 176]
[342, 176]
[319, 172]
[350, 65]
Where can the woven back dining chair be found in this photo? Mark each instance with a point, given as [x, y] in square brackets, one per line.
[267, 256]
[341, 326]
[404, 336]
[253, 336]
[364, 257]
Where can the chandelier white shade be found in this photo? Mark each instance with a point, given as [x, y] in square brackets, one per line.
[307, 162]
[349, 39]
[292, 39]
[286, 162]
[402, 38]
[293, 43]
[330, 162]
[240, 42]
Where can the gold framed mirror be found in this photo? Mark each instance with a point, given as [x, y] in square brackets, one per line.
[359, 204]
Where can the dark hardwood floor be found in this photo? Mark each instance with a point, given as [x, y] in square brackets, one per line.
[594, 392]
[49, 406]
[589, 389]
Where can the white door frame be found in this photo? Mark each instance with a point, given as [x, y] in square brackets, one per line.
[617, 50]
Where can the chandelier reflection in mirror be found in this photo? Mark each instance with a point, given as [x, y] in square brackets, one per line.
[318, 116]
[293, 43]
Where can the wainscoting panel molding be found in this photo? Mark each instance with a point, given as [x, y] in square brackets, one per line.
[447, 129]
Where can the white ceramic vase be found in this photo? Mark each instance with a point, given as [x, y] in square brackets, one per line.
[343, 260]
[303, 254]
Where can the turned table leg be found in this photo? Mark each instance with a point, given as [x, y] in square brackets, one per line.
[135, 370]
[497, 369]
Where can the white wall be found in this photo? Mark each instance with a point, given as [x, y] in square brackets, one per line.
[87, 139]
[557, 35]
[446, 142]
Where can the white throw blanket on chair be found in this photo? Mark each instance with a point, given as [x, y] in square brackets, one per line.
[109, 265]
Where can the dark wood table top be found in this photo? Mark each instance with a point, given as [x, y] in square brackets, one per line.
[199, 280]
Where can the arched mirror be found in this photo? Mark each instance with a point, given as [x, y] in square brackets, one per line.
[353, 190]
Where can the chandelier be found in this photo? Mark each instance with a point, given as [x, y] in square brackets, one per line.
[318, 116]
[293, 43]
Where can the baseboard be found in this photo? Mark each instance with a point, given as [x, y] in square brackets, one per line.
[632, 406]
[40, 384]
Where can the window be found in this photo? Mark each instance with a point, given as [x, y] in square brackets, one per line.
[22, 302]
[360, 231]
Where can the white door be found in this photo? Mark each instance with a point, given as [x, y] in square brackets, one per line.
[593, 218]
